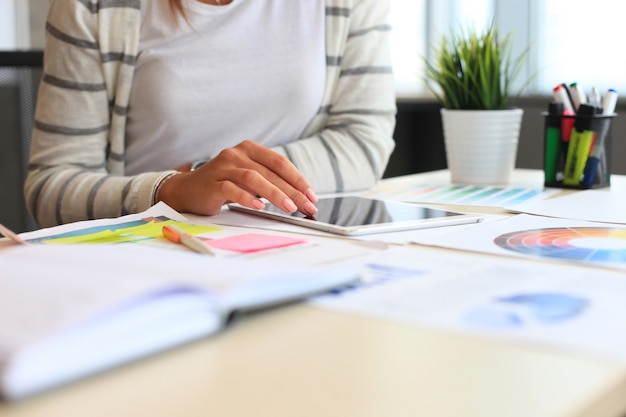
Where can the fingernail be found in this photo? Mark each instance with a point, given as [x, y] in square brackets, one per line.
[289, 205]
[309, 209]
[310, 194]
[258, 204]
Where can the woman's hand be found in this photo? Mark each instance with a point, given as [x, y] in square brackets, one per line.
[240, 174]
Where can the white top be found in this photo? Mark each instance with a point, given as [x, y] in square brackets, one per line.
[246, 70]
[77, 166]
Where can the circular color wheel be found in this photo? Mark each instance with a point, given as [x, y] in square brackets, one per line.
[591, 244]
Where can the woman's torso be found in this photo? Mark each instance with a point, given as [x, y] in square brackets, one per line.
[253, 69]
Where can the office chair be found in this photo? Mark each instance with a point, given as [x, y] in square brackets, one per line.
[20, 72]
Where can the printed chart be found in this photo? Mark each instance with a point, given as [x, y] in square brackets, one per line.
[143, 229]
[469, 195]
[593, 244]
[544, 303]
[529, 236]
[519, 310]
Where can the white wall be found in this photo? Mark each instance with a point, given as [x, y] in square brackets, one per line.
[7, 25]
[22, 24]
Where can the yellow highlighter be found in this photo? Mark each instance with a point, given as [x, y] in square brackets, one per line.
[577, 154]
[580, 143]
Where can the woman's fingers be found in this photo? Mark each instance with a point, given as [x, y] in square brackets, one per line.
[257, 184]
[241, 174]
[279, 166]
[278, 181]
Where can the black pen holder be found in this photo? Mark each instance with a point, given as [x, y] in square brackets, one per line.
[577, 151]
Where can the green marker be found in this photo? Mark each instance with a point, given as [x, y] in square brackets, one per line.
[552, 142]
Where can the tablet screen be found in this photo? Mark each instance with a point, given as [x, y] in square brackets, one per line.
[358, 211]
[353, 215]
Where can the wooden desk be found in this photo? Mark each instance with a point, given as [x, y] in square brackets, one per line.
[304, 361]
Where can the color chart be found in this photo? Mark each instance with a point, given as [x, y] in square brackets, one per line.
[591, 244]
[467, 195]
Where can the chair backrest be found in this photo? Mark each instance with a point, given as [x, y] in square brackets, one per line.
[20, 72]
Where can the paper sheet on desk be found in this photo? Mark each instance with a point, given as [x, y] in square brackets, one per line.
[545, 238]
[406, 189]
[159, 209]
[592, 205]
[228, 241]
[534, 303]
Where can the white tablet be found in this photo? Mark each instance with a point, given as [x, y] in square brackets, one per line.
[354, 216]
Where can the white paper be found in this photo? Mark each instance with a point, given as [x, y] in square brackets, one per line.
[542, 238]
[159, 209]
[540, 304]
[592, 205]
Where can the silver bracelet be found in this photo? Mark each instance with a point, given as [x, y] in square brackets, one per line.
[160, 185]
[197, 164]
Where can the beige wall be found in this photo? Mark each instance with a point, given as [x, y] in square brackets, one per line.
[38, 10]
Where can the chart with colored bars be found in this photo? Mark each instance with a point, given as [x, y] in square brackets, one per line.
[142, 230]
[149, 231]
[591, 244]
[468, 195]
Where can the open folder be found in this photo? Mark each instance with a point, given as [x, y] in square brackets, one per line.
[72, 310]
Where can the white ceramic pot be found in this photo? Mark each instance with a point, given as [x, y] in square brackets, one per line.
[481, 145]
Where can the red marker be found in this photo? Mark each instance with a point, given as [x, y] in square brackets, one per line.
[567, 123]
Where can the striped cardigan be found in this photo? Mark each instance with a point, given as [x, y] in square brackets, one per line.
[76, 169]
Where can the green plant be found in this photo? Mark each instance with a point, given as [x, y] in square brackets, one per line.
[475, 71]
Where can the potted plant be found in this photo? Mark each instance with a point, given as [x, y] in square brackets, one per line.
[472, 75]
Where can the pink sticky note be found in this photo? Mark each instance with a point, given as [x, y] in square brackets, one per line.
[253, 242]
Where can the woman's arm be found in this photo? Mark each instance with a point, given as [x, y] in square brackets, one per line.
[348, 144]
[76, 170]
